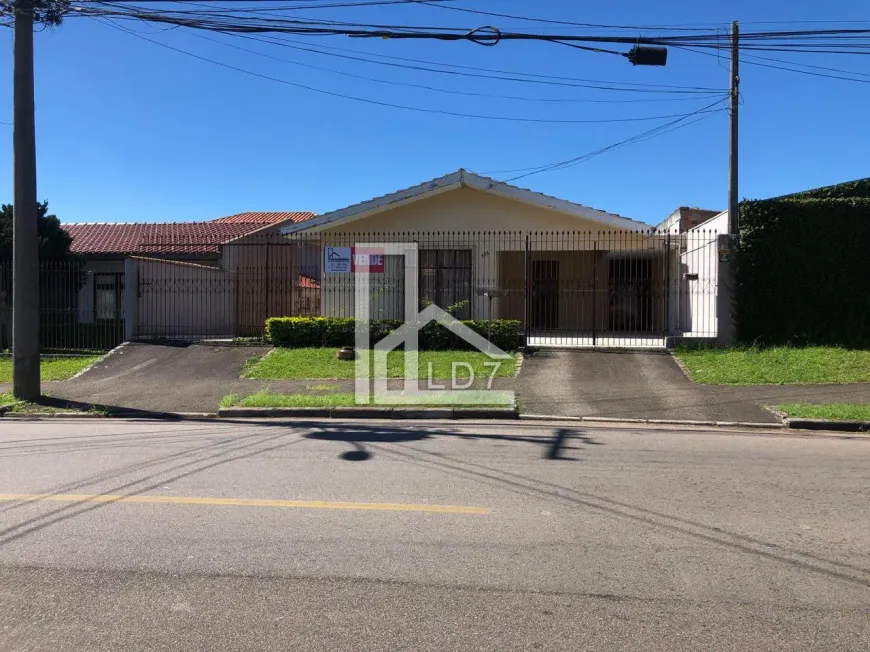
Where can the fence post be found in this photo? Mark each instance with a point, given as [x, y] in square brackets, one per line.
[725, 322]
[595, 292]
[668, 286]
[528, 298]
[131, 299]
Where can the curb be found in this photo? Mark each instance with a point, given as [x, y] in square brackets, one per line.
[823, 424]
[664, 422]
[370, 413]
[152, 416]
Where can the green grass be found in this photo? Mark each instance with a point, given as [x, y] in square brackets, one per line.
[842, 411]
[269, 400]
[50, 368]
[24, 407]
[780, 365]
[321, 363]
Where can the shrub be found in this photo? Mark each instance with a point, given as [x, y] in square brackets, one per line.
[300, 332]
[802, 271]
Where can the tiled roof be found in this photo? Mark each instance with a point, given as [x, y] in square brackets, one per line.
[265, 217]
[144, 239]
[309, 283]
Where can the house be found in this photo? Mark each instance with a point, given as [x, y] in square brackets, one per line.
[685, 218]
[190, 262]
[570, 273]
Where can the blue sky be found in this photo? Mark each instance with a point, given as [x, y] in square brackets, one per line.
[128, 130]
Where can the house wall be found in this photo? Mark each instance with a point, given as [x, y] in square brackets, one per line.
[700, 256]
[268, 270]
[184, 300]
[496, 231]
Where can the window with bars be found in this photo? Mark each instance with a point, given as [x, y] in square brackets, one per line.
[108, 296]
[445, 280]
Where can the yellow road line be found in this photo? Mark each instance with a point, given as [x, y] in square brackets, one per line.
[245, 502]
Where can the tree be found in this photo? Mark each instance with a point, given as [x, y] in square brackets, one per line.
[54, 242]
[61, 274]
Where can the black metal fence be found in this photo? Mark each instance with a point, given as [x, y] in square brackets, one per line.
[566, 288]
[79, 309]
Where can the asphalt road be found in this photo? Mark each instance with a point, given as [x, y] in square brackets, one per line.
[347, 536]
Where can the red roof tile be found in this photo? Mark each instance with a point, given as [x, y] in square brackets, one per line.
[265, 217]
[178, 238]
[308, 283]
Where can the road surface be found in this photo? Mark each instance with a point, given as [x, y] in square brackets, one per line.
[125, 535]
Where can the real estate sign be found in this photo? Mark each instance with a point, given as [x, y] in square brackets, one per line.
[344, 260]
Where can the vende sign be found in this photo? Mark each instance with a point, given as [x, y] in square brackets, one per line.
[343, 260]
[367, 260]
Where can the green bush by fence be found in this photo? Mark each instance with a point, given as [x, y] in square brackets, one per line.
[297, 332]
[803, 273]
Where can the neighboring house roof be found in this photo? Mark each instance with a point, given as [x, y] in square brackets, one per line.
[265, 217]
[173, 238]
[308, 283]
[459, 179]
[177, 238]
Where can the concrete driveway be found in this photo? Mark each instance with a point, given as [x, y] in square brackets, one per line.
[160, 377]
[650, 385]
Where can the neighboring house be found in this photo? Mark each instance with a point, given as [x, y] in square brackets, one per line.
[685, 218]
[196, 260]
[493, 250]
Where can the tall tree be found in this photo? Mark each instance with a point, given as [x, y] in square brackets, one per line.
[54, 242]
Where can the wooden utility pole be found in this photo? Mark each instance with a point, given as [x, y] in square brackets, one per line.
[25, 247]
[733, 197]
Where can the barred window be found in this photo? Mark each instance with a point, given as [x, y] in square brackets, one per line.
[109, 296]
[445, 280]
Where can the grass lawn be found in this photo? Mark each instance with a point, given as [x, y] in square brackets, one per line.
[269, 400]
[780, 365]
[39, 408]
[50, 368]
[843, 411]
[321, 363]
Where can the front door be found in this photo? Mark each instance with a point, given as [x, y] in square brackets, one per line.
[545, 294]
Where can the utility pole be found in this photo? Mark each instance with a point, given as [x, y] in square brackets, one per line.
[733, 197]
[25, 248]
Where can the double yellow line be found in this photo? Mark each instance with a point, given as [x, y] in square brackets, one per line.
[244, 502]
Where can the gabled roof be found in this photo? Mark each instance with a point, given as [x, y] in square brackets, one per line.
[145, 238]
[464, 179]
[265, 217]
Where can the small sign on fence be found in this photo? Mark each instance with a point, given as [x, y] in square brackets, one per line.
[344, 260]
[337, 260]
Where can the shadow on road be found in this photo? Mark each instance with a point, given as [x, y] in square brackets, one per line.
[356, 435]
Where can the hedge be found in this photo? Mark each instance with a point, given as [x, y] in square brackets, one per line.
[803, 271]
[298, 332]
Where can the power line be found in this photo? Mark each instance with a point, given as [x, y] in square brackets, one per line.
[446, 90]
[749, 59]
[646, 135]
[481, 72]
[379, 102]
